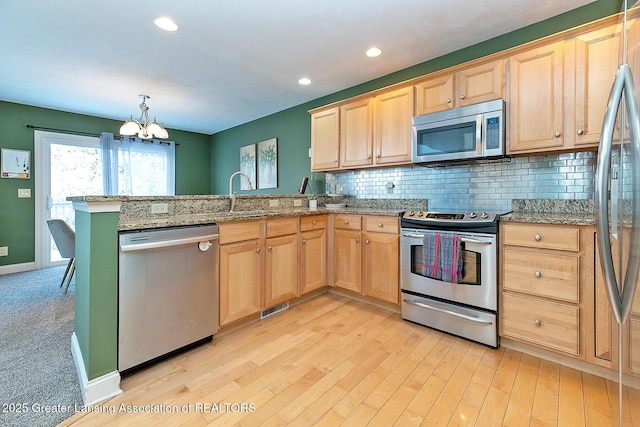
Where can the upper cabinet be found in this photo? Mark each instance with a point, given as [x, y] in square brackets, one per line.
[363, 132]
[558, 92]
[325, 139]
[466, 87]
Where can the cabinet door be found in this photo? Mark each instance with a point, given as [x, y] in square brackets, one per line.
[313, 260]
[393, 114]
[434, 95]
[481, 83]
[536, 99]
[281, 269]
[356, 133]
[325, 139]
[347, 255]
[239, 280]
[381, 266]
[597, 57]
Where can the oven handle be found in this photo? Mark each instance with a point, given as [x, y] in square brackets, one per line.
[449, 312]
[464, 239]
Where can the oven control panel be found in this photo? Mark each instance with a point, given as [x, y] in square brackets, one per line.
[450, 216]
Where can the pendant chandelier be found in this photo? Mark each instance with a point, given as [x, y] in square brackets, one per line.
[144, 127]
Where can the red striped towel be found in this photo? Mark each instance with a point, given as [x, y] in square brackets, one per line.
[451, 258]
[431, 255]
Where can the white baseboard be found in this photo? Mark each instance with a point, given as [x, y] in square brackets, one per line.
[17, 268]
[98, 389]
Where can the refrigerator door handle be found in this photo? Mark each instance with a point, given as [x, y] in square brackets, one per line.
[623, 87]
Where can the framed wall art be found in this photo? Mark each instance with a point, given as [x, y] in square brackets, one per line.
[15, 163]
[268, 163]
[248, 166]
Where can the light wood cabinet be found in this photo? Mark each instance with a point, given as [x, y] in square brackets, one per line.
[313, 253]
[472, 85]
[392, 120]
[366, 255]
[542, 267]
[281, 261]
[325, 139]
[536, 99]
[381, 258]
[356, 133]
[558, 92]
[364, 132]
[240, 270]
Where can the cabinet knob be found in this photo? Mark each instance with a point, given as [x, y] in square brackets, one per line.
[304, 241]
[538, 274]
[367, 241]
[257, 249]
[378, 156]
[269, 248]
[380, 225]
[462, 96]
[314, 222]
[537, 237]
[557, 134]
[357, 240]
[368, 156]
[448, 100]
[537, 322]
[346, 222]
[580, 131]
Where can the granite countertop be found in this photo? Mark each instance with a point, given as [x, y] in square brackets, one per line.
[543, 211]
[220, 217]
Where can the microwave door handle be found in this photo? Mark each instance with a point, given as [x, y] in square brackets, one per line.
[479, 134]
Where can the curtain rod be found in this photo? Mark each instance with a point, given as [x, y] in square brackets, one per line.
[78, 132]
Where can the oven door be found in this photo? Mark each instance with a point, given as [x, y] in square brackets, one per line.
[478, 287]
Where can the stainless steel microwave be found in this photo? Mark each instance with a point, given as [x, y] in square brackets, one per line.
[471, 132]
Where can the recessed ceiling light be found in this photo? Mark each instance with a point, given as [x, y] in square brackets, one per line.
[304, 81]
[373, 52]
[166, 24]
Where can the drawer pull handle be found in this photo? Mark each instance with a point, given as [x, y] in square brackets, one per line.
[537, 322]
[538, 274]
[537, 237]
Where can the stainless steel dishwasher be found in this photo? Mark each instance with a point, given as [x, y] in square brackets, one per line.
[167, 292]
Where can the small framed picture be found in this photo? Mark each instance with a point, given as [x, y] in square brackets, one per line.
[268, 163]
[15, 163]
[248, 166]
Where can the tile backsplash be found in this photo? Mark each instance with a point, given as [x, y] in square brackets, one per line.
[488, 185]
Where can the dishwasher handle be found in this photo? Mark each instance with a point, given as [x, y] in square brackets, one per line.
[167, 243]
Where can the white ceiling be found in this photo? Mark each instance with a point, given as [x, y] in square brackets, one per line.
[231, 61]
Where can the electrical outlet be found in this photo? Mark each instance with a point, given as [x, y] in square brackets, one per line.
[158, 208]
[297, 202]
[24, 193]
[274, 203]
[4, 251]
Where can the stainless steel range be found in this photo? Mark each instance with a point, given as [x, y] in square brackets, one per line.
[463, 303]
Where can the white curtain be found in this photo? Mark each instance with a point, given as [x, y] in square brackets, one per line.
[138, 167]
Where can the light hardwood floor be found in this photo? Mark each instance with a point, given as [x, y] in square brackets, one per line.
[334, 361]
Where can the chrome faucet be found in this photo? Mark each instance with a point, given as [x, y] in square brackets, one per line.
[232, 195]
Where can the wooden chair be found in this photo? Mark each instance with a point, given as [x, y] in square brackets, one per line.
[65, 239]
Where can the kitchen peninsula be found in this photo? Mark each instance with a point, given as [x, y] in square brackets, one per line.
[98, 221]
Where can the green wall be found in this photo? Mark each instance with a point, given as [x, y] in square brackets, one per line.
[292, 127]
[17, 216]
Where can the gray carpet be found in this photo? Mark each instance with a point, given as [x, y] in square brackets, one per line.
[36, 366]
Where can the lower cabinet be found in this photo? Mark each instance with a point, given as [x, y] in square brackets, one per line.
[366, 255]
[240, 270]
[281, 261]
[313, 253]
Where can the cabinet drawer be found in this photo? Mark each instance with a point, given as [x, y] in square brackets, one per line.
[548, 275]
[238, 231]
[348, 222]
[282, 226]
[381, 224]
[545, 323]
[314, 222]
[541, 236]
